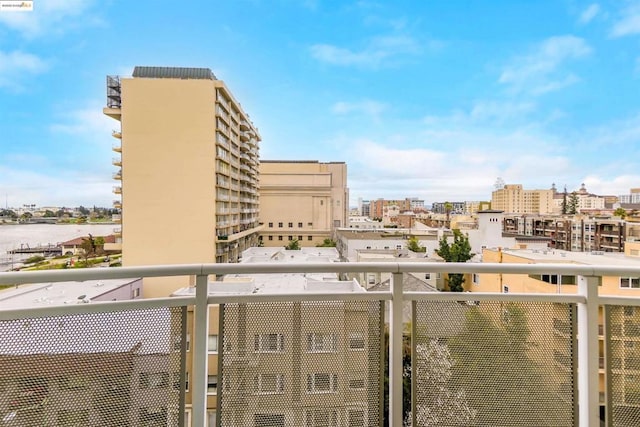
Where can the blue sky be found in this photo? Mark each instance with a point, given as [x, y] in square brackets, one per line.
[429, 99]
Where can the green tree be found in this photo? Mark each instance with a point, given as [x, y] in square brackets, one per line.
[414, 245]
[564, 201]
[494, 364]
[327, 243]
[293, 245]
[448, 207]
[49, 214]
[621, 212]
[572, 207]
[89, 247]
[458, 251]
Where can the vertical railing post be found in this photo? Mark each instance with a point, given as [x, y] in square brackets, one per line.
[395, 352]
[588, 353]
[199, 367]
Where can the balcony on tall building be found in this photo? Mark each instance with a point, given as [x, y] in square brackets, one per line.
[116, 161]
[117, 189]
[484, 359]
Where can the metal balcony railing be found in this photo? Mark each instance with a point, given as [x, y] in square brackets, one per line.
[482, 359]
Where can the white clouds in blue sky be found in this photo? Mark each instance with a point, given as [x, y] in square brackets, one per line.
[420, 99]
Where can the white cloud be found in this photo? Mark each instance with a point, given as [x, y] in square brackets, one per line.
[88, 120]
[629, 22]
[589, 13]
[49, 17]
[374, 54]
[541, 71]
[14, 66]
[367, 107]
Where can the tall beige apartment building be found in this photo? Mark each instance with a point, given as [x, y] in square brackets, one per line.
[188, 160]
[302, 200]
[514, 199]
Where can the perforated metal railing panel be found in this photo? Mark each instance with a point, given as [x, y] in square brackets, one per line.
[493, 364]
[119, 368]
[623, 365]
[301, 363]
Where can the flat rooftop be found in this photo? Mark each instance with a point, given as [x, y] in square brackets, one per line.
[282, 283]
[47, 294]
[586, 258]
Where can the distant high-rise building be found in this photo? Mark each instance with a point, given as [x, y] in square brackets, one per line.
[514, 199]
[188, 168]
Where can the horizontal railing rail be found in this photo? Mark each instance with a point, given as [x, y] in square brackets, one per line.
[586, 299]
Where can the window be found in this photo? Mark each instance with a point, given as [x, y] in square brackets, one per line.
[427, 276]
[270, 237]
[270, 225]
[211, 418]
[629, 344]
[505, 289]
[299, 238]
[212, 384]
[398, 246]
[72, 382]
[322, 383]
[268, 420]
[153, 416]
[212, 344]
[290, 225]
[310, 224]
[309, 237]
[269, 384]
[290, 238]
[279, 237]
[279, 225]
[299, 225]
[356, 384]
[72, 417]
[322, 343]
[476, 279]
[154, 380]
[268, 343]
[136, 292]
[630, 282]
[356, 418]
[176, 381]
[321, 418]
[356, 341]
[628, 310]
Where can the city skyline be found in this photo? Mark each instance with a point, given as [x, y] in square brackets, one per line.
[434, 101]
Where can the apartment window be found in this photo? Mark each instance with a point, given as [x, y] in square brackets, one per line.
[299, 238]
[279, 225]
[505, 289]
[71, 417]
[136, 292]
[398, 246]
[269, 384]
[212, 384]
[629, 344]
[629, 310]
[211, 418]
[268, 420]
[321, 418]
[270, 225]
[212, 344]
[476, 279]
[290, 238]
[177, 382]
[310, 224]
[356, 384]
[72, 382]
[355, 418]
[427, 276]
[309, 237]
[270, 237]
[630, 282]
[299, 225]
[279, 237]
[322, 343]
[356, 341]
[268, 343]
[290, 225]
[322, 383]
[153, 416]
[154, 380]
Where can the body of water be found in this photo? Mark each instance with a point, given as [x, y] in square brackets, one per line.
[13, 236]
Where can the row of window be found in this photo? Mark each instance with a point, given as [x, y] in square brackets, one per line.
[290, 238]
[275, 343]
[281, 225]
[319, 382]
[314, 418]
